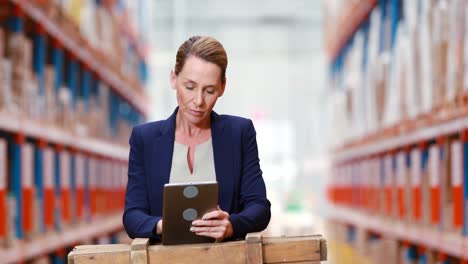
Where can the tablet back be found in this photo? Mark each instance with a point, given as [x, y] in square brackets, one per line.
[183, 203]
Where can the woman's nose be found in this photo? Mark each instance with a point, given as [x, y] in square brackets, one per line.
[199, 99]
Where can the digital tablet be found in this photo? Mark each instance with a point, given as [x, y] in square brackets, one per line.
[183, 203]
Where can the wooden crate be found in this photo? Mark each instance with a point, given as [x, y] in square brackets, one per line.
[254, 249]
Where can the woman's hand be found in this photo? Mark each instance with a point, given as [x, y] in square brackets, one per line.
[159, 227]
[214, 224]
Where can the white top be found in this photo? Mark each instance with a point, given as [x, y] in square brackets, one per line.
[203, 163]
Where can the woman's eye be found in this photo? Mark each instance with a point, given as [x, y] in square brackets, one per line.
[210, 91]
[189, 87]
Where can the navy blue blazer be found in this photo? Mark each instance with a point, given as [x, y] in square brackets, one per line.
[241, 187]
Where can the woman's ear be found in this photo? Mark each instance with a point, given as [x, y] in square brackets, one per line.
[223, 87]
[173, 80]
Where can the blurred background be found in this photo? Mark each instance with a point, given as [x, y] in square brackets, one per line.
[360, 108]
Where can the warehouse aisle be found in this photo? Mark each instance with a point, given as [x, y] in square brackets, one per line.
[397, 187]
[360, 109]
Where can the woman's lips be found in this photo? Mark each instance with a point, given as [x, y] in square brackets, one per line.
[196, 113]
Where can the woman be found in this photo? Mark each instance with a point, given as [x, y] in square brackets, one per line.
[196, 144]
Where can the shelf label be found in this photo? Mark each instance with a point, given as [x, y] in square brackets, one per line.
[79, 170]
[27, 165]
[64, 169]
[457, 178]
[416, 167]
[48, 167]
[434, 165]
[3, 158]
[401, 168]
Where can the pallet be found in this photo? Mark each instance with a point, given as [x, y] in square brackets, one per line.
[255, 249]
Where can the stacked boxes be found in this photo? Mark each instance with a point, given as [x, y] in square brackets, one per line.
[423, 71]
[50, 98]
[456, 48]
[49, 187]
[19, 55]
[412, 76]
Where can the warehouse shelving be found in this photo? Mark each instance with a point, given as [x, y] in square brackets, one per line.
[425, 236]
[134, 95]
[65, 115]
[415, 136]
[55, 135]
[399, 172]
[130, 33]
[351, 18]
[72, 236]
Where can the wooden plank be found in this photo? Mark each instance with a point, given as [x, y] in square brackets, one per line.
[139, 244]
[323, 249]
[230, 252]
[139, 254]
[108, 258]
[254, 248]
[97, 250]
[102, 248]
[291, 249]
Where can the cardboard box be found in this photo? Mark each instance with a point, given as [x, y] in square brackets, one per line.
[440, 44]
[50, 97]
[64, 109]
[426, 61]
[412, 77]
[456, 48]
[446, 186]
[32, 101]
[19, 51]
[81, 128]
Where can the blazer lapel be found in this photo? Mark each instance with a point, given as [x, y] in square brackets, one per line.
[164, 148]
[222, 151]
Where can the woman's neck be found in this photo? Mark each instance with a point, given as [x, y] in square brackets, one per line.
[191, 134]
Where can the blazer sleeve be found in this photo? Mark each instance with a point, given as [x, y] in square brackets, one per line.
[136, 219]
[254, 214]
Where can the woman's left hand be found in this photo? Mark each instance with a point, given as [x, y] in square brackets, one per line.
[214, 224]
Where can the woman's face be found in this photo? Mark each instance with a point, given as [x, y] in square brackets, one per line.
[198, 86]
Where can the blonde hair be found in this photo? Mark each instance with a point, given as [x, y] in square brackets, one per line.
[203, 47]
